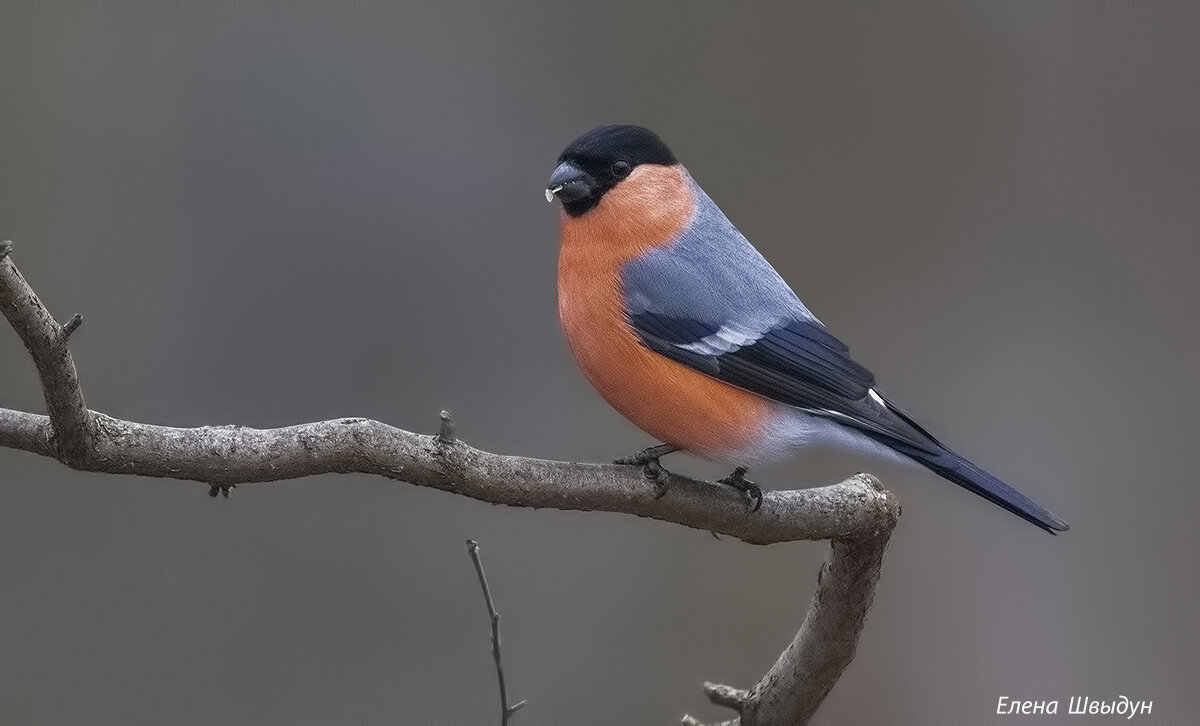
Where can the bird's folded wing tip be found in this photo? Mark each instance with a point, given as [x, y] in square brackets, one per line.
[1056, 525]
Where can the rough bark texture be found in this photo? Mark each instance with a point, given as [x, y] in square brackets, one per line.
[858, 515]
[827, 639]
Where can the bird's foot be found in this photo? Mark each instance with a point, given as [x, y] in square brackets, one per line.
[648, 455]
[653, 471]
[738, 481]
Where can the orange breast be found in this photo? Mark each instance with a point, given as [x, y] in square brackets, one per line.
[666, 399]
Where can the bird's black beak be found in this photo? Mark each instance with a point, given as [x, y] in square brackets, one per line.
[569, 183]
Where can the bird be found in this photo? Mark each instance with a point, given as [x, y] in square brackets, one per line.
[684, 328]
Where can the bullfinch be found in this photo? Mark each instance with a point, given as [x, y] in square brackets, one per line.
[685, 329]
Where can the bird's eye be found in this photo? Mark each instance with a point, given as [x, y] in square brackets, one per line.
[620, 169]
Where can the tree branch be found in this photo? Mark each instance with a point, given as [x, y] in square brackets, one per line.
[857, 514]
[46, 341]
[506, 711]
[807, 670]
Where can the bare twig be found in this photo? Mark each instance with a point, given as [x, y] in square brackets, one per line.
[857, 514]
[693, 721]
[727, 696]
[446, 431]
[506, 711]
[72, 325]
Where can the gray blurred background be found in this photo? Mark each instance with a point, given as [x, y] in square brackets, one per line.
[276, 215]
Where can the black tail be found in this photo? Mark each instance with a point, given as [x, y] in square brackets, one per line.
[951, 466]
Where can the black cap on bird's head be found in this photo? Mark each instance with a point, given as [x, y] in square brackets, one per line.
[601, 159]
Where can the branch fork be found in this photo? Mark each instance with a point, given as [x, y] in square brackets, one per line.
[856, 515]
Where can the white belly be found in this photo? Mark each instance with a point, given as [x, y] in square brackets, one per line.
[788, 430]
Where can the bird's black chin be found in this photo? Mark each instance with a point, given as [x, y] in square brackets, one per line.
[580, 207]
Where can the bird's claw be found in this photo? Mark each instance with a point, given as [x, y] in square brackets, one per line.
[651, 468]
[658, 476]
[738, 481]
[647, 455]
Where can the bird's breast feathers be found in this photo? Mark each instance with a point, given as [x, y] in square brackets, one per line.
[667, 399]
